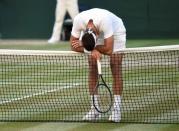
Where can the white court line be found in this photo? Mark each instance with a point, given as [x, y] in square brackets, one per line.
[41, 84]
[70, 86]
[59, 84]
[38, 94]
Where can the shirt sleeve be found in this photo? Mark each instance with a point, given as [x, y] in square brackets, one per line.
[107, 27]
[76, 29]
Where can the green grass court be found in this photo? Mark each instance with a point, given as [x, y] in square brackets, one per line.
[55, 126]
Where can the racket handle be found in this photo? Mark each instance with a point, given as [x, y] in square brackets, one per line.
[99, 67]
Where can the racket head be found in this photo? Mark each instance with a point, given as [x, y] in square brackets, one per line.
[104, 98]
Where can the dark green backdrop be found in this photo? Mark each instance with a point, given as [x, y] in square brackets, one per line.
[142, 18]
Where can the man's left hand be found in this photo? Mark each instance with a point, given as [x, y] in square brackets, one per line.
[96, 54]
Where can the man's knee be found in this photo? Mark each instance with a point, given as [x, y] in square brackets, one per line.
[116, 60]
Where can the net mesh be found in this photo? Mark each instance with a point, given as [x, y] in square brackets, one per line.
[53, 85]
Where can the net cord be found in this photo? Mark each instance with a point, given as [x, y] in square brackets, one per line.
[48, 52]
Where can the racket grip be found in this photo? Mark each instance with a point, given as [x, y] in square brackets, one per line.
[99, 67]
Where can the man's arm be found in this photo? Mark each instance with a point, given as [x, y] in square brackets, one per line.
[107, 48]
[75, 44]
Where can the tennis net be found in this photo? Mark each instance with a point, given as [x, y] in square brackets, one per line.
[53, 85]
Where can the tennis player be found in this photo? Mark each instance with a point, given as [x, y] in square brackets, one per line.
[103, 33]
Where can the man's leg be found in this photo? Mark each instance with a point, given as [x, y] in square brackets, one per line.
[59, 17]
[92, 80]
[72, 8]
[116, 68]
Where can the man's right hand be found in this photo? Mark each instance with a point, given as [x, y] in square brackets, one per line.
[75, 44]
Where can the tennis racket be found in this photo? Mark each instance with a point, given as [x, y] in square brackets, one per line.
[104, 93]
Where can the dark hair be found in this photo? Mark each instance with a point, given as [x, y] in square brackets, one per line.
[88, 41]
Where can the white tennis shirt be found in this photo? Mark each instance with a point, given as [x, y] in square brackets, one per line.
[106, 22]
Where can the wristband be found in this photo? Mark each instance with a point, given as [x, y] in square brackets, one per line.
[86, 51]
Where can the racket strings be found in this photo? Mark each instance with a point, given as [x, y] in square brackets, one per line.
[104, 98]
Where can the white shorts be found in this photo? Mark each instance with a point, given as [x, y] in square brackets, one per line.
[119, 41]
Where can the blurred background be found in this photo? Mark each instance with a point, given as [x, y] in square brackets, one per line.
[34, 19]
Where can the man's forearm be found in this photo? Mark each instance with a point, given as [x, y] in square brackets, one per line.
[75, 45]
[79, 49]
[103, 49]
